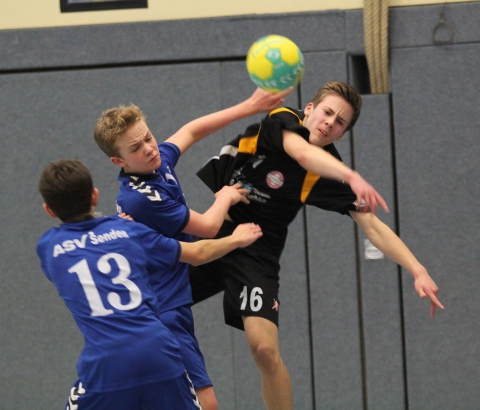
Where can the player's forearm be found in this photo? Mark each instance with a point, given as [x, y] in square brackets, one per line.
[209, 223]
[387, 241]
[209, 124]
[320, 162]
[208, 250]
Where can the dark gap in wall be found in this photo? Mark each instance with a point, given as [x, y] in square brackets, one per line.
[309, 307]
[359, 294]
[354, 69]
[399, 269]
[307, 270]
[121, 65]
[359, 74]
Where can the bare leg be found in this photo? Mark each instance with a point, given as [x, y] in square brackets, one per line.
[262, 337]
[206, 397]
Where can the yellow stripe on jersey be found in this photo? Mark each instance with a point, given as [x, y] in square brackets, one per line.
[248, 145]
[308, 184]
[283, 109]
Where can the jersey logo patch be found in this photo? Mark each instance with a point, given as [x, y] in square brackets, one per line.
[275, 179]
[276, 305]
[144, 189]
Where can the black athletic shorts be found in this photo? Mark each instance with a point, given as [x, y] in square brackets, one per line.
[249, 277]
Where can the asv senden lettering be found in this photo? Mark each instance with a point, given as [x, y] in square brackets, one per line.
[72, 244]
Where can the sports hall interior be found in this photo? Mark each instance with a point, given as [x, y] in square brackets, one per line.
[353, 331]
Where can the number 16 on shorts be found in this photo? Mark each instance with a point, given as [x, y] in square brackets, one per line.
[256, 301]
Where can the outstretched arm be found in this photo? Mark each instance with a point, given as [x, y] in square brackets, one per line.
[207, 250]
[320, 162]
[207, 225]
[382, 237]
[260, 101]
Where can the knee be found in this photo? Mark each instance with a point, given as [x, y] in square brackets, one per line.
[266, 355]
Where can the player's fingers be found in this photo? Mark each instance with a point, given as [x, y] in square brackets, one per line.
[285, 92]
[433, 308]
[372, 204]
[382, 203]
[244, 199]
[435, 300]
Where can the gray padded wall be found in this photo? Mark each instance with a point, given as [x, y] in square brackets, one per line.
[55, 82]
[435, 95]
[333, 282]
[47, 116]
[379, 282]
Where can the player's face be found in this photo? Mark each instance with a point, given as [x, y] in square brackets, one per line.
[138, 150]
[328, 120]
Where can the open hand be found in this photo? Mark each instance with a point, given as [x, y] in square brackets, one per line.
[246, 234]
[264, 101]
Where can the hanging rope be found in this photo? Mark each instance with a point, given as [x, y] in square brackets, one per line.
[375, 28]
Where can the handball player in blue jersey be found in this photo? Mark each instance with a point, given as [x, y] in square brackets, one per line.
[150, 193]
[101, 268]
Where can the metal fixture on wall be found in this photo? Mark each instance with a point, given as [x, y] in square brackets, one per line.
[375, 29]
[443, 31]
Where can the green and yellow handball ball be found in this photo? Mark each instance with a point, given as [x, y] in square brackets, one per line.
[275, 63]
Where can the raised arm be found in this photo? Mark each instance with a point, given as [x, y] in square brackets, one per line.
[207, 250]
[320, 162]
[382, 237]
[260, 101]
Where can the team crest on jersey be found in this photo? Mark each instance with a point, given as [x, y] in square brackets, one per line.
[275, 179]
[276, 305]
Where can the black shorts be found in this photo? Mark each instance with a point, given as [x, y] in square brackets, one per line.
[249, 277]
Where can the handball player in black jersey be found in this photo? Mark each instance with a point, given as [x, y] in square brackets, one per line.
[287, 161]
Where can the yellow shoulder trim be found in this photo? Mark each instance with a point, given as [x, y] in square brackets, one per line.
[248, 145]
[283, 109]
[308, 183]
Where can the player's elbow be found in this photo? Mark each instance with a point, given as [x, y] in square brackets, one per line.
[302, 157]
[210, 230]
[201, 255]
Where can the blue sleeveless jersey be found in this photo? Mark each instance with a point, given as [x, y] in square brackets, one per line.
[157, 200]
[100, 268]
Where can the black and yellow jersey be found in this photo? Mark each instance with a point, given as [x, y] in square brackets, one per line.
[278, 185]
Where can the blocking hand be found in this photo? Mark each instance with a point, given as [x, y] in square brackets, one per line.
[264, 101]
[246, 234]
[235, 192]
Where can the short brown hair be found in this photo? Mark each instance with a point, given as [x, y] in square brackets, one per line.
[347, 92]
[66, 187]
[112, 124]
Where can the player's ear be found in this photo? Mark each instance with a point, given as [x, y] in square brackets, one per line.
[308, 109]
[118, 161]
[49, 211]
[95, 197]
